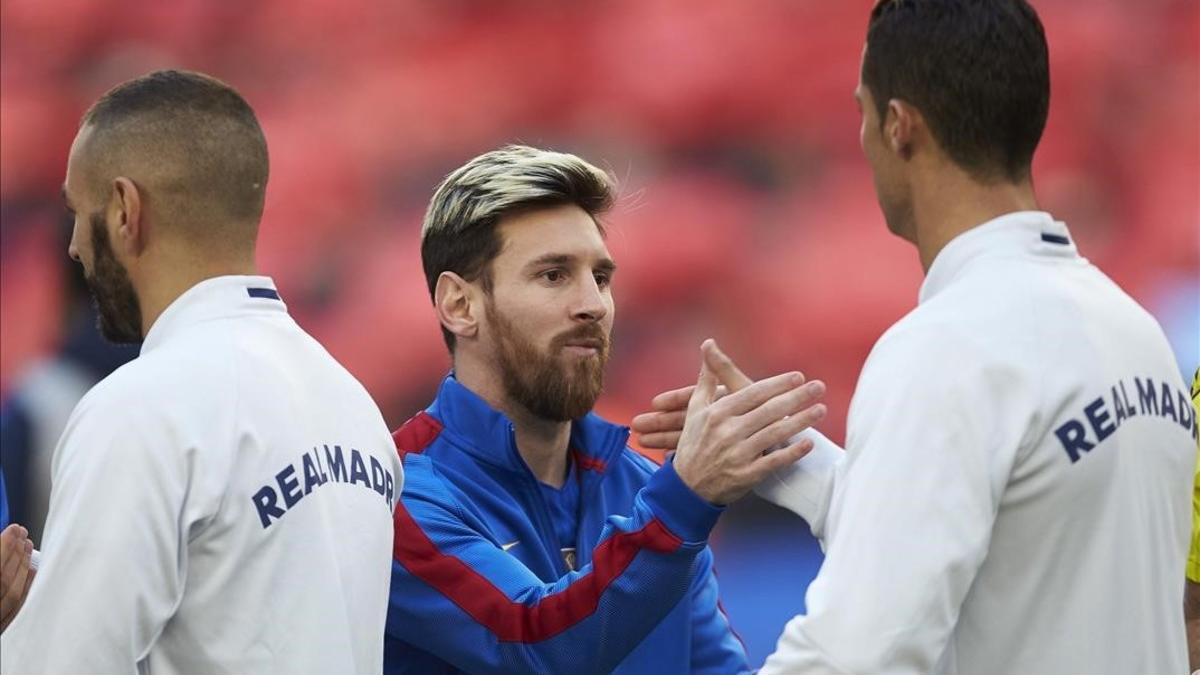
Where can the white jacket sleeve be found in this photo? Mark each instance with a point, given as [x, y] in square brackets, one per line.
[804, 488]
[113, 560]
[910, 518]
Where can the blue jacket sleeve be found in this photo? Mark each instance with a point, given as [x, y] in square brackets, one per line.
[716, 650]
[3, 502]
[456, 595]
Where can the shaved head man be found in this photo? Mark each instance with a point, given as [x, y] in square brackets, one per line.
[182, 156]
[223, 503]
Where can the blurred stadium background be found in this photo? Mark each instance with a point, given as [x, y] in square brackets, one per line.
[748, 212]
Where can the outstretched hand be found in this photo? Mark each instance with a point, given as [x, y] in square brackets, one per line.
[721, 441]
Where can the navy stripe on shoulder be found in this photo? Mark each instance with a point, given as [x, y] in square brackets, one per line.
[1055, 239]
[269, 293]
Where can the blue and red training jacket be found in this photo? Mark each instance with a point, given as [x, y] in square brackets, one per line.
[479, 584]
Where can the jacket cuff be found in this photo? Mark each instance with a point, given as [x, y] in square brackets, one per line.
[684, 513]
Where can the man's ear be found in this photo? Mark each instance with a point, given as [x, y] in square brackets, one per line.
[900, 127]
[458, 305]
[125, 208]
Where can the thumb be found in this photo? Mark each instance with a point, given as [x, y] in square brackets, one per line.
[723, 367]
[706, 386]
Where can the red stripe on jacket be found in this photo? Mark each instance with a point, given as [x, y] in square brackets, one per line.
[513, 621]
[588, 463]
[416, 434]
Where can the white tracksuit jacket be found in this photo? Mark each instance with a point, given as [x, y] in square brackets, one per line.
[1015, 492]
[221, 504]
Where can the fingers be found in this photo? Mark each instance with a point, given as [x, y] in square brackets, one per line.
[781, 459]
[28, 584]
[724, 368]
[753, 396]
[781, 430]
[648, 423]
[663, 440]
[780, 406]
[16, 591]
[10, 548]
[676, 399]
[15, 571]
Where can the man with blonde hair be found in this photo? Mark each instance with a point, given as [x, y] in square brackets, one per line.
[530, 538]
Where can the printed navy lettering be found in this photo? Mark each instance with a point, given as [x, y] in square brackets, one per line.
[1187, 414]
[337, 463]
[1130, 411]
[358, 469]
[289, 486]
[1097, 416]
[321, 466]
[1168, 402]
[377, 480]
[1147, 397]
[264, 502]
[1073, 438]
[312, 479]
[266, 499]
[1121, 414]
[1165, 402]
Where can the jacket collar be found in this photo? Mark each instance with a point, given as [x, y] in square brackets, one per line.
[1023, 234]
[214, 298]
[487, 434]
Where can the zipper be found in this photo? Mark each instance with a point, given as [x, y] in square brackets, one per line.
[542, 523]
[591, 524]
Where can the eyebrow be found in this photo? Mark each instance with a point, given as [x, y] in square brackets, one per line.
[605, 264]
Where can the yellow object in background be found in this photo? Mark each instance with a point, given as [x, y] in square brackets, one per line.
[1193, 564]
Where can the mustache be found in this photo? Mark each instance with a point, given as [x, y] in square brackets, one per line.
[591, 332]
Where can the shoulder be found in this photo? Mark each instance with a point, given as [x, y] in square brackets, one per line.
[428, 498]
[943, 362]
[932, 339]
[126, 425]
[184, 369]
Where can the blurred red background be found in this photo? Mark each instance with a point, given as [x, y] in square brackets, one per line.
[748, 212]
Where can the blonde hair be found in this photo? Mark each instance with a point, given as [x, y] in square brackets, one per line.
[459, 231]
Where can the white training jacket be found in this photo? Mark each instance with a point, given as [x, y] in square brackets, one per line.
[1015, 496]
[221, 504]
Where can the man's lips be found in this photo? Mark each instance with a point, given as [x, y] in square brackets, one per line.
[584, 346]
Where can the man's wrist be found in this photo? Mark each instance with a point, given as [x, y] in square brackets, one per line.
[686, 514]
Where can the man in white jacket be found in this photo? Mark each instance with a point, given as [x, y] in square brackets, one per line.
[223, 503]
[1014, 496]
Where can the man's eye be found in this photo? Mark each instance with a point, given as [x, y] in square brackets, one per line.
[603, 279]
[554, 276]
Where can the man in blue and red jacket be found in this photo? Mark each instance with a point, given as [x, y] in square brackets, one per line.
[530, 538]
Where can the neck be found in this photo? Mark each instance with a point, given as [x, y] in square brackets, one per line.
[542, 443]
[162, 283]
[951, 202]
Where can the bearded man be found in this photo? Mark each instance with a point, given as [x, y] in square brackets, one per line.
[530, 538]
[220, 504]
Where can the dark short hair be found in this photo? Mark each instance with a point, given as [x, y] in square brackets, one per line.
[978, 70]
[198, 123]
[459, 234]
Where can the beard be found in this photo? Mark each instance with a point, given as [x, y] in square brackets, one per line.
[544, 383]
[119, 316]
